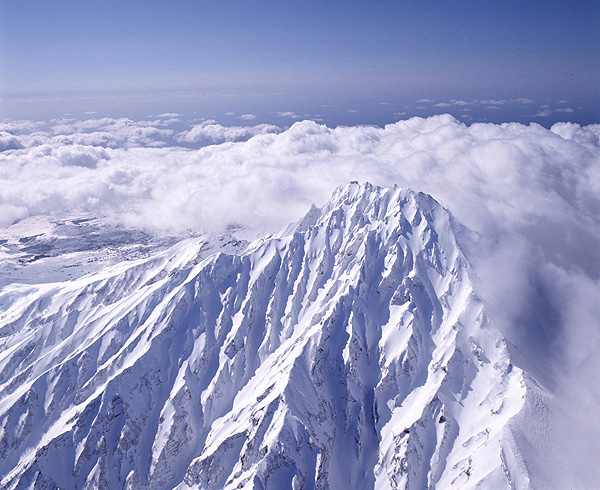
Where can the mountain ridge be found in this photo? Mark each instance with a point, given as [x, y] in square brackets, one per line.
[348, 350]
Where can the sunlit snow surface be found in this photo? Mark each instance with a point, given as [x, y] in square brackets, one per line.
[44, 249]
[347, 351]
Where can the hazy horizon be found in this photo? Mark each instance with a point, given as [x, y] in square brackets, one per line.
[340, 63]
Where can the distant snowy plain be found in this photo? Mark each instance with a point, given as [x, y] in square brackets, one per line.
[530, 195]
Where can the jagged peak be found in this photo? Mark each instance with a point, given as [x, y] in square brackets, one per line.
[373, 202]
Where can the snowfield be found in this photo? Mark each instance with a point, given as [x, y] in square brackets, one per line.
[349, 350]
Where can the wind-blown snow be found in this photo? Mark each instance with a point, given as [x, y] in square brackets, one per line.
[531, 193]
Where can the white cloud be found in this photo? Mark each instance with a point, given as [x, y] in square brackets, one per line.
[429, 154]
[544, 113]
[112, 133]
[424, 101]
[248, 117]
[20, 127]
[493, 102]
[568, 110]
[498, 102]
[290, 114]
[210, 133]
[9, 142]
[452, 103]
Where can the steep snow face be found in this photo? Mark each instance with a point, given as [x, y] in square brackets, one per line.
[347, 351]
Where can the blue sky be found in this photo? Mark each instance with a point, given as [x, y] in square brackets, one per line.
[344, 62]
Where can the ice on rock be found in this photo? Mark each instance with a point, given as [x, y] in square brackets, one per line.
[347, 351]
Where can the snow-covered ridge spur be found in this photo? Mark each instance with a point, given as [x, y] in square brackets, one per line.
[349, 350]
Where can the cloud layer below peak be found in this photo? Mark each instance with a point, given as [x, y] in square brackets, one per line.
[491, 176]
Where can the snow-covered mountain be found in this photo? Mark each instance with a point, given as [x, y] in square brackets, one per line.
[348, 351]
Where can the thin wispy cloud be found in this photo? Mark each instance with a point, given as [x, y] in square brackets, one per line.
[483, 102]
[493, 102]
[289, 114]
[453, 102]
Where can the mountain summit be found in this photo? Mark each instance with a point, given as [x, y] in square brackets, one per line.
[350, 350]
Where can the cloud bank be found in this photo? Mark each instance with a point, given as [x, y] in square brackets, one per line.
[531, 194]
[210, 132]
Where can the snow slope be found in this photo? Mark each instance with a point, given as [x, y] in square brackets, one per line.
[347, 351]
[50, 249]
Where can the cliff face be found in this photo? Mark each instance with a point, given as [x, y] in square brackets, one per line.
[347, 351]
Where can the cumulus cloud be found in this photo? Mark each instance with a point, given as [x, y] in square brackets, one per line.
[430, 154]
[248, 117]
[20, 127]
[544, 113]
[109, 132]
[9, 141]
[531, 194]
[343, 146]
[210, 132]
